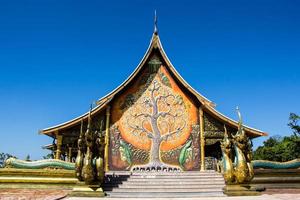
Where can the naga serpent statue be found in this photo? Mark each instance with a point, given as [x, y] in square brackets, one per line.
[89, 165]
[226, 163]
[241, 170]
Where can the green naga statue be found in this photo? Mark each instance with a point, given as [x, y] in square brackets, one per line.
[240, 148]
[89, 164]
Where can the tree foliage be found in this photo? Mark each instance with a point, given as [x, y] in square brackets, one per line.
[281, 149]
[294, 123]
[27, 158]
[3, 157]
[48, 156]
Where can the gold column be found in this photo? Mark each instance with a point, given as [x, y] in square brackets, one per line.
[202, 139]
[107, 138]
[70, 154]
[59, 139]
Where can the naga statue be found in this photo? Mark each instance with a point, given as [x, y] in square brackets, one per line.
[226, 163]
[241, 170]
[89, 164]
[243, 154]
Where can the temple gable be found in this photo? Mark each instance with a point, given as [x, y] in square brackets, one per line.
[153, 121]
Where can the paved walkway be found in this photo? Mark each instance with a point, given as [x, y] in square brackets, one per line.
[262, 197]
[32, 194]
[55, 194]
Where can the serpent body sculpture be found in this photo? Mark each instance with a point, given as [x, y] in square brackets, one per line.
[266, 164]
[39, 164]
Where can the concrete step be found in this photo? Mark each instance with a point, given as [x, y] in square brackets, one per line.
[169, 190]
[178, 186]
[182, 172]
[164, 195]
[160, 172]
[176, 174]
[164, 184]
[132, 184]
[147, 182]
[123, 173]
[176, 180]
[174, 177]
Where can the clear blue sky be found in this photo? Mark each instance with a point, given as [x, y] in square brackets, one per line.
[56, 57]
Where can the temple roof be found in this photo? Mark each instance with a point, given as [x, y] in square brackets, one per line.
[103, 102]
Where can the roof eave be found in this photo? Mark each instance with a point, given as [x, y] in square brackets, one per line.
[50, 130]
[252, 132]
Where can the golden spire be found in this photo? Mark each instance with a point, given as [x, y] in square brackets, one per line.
[155, 23]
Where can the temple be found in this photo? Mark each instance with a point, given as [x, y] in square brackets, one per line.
[153, 119]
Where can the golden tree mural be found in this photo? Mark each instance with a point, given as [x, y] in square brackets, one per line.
[158, 115]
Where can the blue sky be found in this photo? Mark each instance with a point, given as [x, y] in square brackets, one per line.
[56, 57]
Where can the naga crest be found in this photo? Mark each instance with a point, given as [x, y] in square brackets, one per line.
[89, 165]
[239, 169]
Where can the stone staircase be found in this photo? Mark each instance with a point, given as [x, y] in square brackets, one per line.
[164, 184]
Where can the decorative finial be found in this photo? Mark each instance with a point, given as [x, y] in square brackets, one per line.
[89, 117]
[225, 131]
[155, 23]
[81, 127]
[240, 117]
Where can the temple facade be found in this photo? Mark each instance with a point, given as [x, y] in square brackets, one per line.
[154, 119]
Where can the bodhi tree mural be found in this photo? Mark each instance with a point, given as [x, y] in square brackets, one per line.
[153, 124]
[162, 119]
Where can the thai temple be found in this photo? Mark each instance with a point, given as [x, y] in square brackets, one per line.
[150, 120]
[154, 136]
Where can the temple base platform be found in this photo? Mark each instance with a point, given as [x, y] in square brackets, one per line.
[243, 190]
[82, 190]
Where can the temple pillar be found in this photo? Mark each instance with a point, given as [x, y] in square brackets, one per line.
[59, 139]
[106, 168]
[70, 154]
[202, 140]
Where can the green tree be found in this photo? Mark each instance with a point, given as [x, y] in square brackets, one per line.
[266, 152]
[27, 158]
[3, 157]
[281, 149]
[48, 156]
[294, 123]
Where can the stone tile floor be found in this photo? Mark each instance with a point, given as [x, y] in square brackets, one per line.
[262, 197]
[32, 194]
[51, 194]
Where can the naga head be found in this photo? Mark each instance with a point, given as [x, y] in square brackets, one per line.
[88, 134]
[226, 143]
[240, 137]
[240, 127]
[241, 140]
[89, 118]
[81, 135]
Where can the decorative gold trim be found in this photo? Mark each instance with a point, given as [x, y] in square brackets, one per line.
[202, 140]
[59, 139]
[70, 154]
[107, 138]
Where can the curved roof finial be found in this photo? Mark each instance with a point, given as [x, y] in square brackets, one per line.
[240, 117]
[155, 23]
